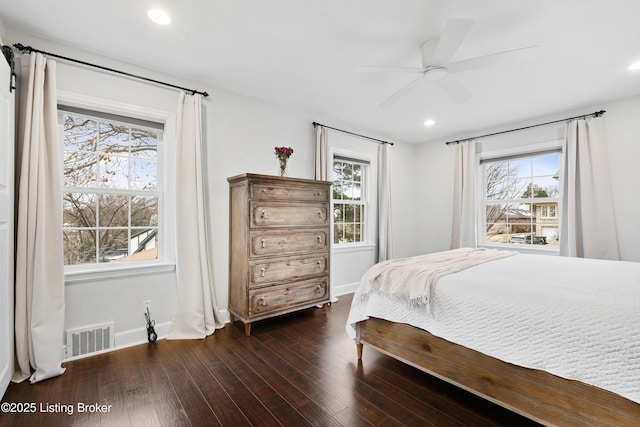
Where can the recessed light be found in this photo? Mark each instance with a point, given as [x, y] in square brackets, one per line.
[429, 122]
[159, 16]
[635, 66]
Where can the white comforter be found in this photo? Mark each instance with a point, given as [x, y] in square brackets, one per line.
[576, 318]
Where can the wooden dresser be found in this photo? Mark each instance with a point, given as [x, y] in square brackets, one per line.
[279, 242]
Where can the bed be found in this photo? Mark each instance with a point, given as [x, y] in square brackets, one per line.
[552, 338]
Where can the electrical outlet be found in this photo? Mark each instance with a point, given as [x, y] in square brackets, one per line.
[146, 305]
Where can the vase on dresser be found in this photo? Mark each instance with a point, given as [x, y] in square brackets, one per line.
[278, 246]
[283, 167]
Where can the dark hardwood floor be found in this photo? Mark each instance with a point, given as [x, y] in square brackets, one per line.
[295, 370]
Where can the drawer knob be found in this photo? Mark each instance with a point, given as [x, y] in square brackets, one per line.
[319, 288]
[263, 214]
[263, 301]
[264, 190]
[319, 239]
[320, 214]
[318, 262]
[264, 243]
[263, 270]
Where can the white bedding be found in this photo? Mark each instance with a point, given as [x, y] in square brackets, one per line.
[576, 318]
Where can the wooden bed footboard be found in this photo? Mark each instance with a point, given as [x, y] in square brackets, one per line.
[535, 394]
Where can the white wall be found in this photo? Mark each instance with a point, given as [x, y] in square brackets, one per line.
[240, 134]
[623, 141]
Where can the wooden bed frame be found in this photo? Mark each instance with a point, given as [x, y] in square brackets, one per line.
[538, 395]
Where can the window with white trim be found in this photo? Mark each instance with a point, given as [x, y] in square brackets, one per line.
[112, 195]
[521, 196]
[349, 199]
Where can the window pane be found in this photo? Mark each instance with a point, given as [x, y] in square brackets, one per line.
[144, 211]
[79, 247]
[497, 182]
[348, 213]
[356, 192]
[143, 174]
[80, 169]
[497, 232]
[546, 165]
[520, 168]
[357, 173]
[519, 228]
[522, 188]
[144, 144]
[496, 213]
[114, 172]
[338, 231]
[357, 233]
[113, 245]
[114, 138]
[80, 133]
[358, 214]
[79, 210]
[144, 244]
[545, 187]
[113, 210]
[520, 213]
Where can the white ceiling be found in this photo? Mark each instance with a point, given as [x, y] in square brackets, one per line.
[304, 54]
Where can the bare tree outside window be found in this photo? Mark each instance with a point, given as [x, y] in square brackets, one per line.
[518, 194]
[110, 196]
[348, 202]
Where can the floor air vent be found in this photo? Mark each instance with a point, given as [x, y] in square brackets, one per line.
[81, 341]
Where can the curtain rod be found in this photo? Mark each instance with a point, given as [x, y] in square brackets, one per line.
[583, 116]
[351, 133]
[29, 49]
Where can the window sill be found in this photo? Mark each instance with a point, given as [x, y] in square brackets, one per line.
[523, 249]
[355, 247]
[79, 276]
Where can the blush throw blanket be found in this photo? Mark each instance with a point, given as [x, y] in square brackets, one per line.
[411, 279]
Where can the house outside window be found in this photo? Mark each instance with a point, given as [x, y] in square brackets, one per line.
[111, 194]
[349, 200]
[520, 199]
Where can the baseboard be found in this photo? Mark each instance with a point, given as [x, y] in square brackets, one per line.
[126, 339]
[344, 289]
[138, 336]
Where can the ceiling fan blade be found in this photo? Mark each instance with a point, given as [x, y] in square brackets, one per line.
[400, 93]
[389, 69]
[492, 59]
[456, 90]
[455, 31]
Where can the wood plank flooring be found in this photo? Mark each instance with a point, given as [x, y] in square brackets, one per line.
[295, 370]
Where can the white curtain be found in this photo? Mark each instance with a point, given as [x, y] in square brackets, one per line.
[385, 238]
[464, 233]
[196, 314]
[587, 227]
[321, 166]
[39, 292]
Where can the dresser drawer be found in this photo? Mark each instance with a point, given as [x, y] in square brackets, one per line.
[285, 242]
[291, 268]
[289, 191]
[267, 214]
[274, 298]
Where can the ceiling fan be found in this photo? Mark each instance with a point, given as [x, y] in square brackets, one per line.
[437, 68]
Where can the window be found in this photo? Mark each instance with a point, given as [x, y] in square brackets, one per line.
[349, 200]
[521, 197]
[111, 191]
